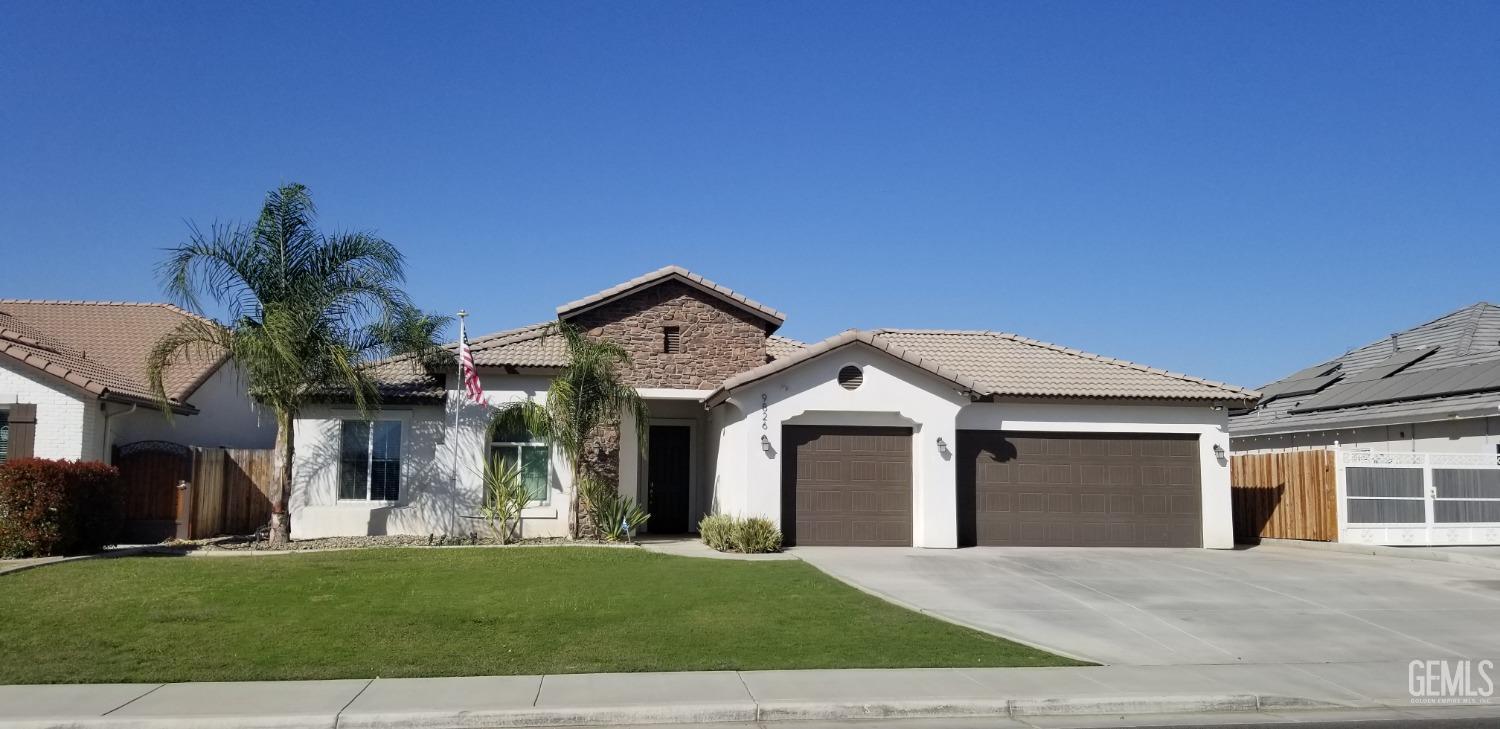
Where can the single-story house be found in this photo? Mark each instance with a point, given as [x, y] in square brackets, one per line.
[1413, 423]
[1432, 388]
[73, 384]
[927, 438]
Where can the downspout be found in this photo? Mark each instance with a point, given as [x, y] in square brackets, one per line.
[104, 454]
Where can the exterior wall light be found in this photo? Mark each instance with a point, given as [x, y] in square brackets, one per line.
[765, 444]
[942, 446]
[1218, 451]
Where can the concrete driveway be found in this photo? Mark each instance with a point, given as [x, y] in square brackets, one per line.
[1193, 606]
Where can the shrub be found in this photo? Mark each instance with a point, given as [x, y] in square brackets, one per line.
[757, 535]
[717, 531]
[611, 516]
[754, 535]
[58, 507]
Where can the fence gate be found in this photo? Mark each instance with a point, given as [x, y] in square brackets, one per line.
[1418, 499]
[149, 473]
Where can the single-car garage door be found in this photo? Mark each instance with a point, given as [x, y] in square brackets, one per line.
[846, 486]
[1078, 489]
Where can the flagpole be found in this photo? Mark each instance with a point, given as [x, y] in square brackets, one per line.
[458, 398]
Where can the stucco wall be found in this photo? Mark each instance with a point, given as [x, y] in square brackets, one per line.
[441, 476]
[227, 417]
[1211, 426]
[66, 425]
[1466, 435]
[893, 394]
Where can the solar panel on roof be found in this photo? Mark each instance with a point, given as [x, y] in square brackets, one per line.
[1392, 364]
[1459, 380]
[1289, 388]
[1311, 372]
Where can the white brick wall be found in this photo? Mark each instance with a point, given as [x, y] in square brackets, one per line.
[66, 426]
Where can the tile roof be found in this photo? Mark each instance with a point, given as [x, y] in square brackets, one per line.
[778, 347]
[1468, 336]
[999, 364]
[100, 346]
[403, 379]
[678, 273]
[528, 346]
[1013, 365]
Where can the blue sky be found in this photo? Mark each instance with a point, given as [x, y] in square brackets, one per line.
[1234, 190]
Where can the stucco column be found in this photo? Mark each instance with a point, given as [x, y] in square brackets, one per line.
[935, 481]
[1218, 512]
[630, 458]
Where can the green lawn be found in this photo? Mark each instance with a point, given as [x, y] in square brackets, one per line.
[451, 612]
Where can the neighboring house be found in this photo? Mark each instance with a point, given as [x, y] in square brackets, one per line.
[73, 384]
[1413, 423]
[1432, 388]
[929, 438]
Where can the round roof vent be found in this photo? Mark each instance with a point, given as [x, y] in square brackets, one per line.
[851, 377]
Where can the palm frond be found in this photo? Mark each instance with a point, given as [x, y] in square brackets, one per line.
[193, 337]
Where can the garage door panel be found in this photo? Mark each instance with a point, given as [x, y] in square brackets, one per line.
[1061, 489]
[847, 486]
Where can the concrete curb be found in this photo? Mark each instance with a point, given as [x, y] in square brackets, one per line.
[735, 712]
[1371, 550]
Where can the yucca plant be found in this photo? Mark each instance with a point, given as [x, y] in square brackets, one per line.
[505, 496]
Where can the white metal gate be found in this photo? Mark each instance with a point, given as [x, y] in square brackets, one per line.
[1418, 499]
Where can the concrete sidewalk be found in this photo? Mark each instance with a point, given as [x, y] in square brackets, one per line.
[704, 697]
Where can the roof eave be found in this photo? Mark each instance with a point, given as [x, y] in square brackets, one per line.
[589, 303]
[851, 337]
[179, 408]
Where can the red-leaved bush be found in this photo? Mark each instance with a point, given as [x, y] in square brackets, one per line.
[58, 507]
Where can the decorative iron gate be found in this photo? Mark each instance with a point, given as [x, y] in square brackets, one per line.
[1418, 499]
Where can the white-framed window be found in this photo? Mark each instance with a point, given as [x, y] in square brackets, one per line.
[4, 434]
[370, 460]
[534, 457]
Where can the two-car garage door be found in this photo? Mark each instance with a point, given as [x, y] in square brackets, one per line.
[853, 486]
[1078, 489]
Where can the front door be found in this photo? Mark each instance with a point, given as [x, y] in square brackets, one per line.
[668, 465]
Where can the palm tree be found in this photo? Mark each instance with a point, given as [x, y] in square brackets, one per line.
[583, 400]
[306, 311]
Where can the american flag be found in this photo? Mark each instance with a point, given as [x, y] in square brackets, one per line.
[467, 373]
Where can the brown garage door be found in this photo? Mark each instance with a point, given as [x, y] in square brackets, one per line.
[846, 486]
[1078, 489]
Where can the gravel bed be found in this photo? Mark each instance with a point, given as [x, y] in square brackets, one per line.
[249, 544]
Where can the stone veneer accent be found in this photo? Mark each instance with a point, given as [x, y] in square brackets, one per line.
[718, 340]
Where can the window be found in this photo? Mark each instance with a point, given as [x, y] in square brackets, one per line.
[370, 461]
[532, 454]
[4, 435]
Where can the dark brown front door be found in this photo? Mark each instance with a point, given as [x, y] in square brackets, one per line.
[1078, 489]
[668, 465]
[846, 486]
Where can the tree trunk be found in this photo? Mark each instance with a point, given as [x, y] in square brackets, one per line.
[281, 517]
[573, 499]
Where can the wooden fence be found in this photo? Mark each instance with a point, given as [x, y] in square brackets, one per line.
[1284, 495]
[192, 493]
